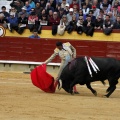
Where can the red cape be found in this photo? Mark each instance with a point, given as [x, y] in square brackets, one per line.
[41, 79]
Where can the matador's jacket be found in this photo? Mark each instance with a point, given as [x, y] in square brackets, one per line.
[66, 54]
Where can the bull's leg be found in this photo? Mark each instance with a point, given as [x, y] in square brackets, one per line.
[112, 87]
[75, 90]
[92, 90]
[111, 91]
[72, 86]
[108, 90]
[103, 82]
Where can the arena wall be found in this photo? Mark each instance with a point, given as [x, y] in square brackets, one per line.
[28, 53]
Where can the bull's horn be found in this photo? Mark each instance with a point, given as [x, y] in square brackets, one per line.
[60, 84]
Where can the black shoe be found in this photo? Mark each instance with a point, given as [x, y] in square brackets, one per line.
[76, 92]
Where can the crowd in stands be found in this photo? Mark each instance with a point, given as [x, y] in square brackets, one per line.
[70, 15]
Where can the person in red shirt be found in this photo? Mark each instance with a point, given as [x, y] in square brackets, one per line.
[74, 3]
[54, 20]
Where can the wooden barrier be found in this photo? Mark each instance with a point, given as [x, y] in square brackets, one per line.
[25, 49]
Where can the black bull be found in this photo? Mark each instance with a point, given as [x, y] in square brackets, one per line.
[77, 73]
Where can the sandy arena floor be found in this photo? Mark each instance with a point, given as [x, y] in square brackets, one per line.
[20, 100]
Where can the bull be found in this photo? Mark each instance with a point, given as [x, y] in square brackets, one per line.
[77, 72]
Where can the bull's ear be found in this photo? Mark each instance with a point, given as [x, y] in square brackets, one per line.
[60, 84]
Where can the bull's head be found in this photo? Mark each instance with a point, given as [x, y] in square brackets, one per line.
[67, 77]
[65, 84]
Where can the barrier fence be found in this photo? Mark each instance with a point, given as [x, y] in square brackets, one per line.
[25, 49]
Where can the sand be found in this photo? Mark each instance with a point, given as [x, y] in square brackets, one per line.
[21, 100]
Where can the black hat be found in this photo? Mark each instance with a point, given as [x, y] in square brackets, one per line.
[61, 9]
[59, 43]
[105, 5]
[83, 3]
[22, 13]
[32, 13]
[59, 4]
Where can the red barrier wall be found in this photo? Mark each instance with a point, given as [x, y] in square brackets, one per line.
[25, 49]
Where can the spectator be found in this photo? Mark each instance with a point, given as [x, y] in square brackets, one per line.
[91, 14]
[63, 4]
[32, 4]
[66, 9]
[104, 8]
[115, 11]
[80, 25]
[95, 11]
[3, 20]
[58, 7]
[88, 26]
[48, 7]
[12, 22]
[18, 4]
[70, 14]
[62, 25]
[6, 14]
[88, 4]
[85, 9]
[115, 3]
[75, 12]
[44, 20]
[36, 1]
[64, 20]
[101, 13]
[32, 10]
[50, 14]
[42, 4]
[28, 7]
[112, 18]
[69, 2]
[106, 4]
[53, 3]
[72, 24]
[110, 2]
[80, 12]
[23, 11]
[13, 11]
[33, 22]
[22, 23]
[42, 13]
[35, 35]
[74, 2]
[54, 20]
[61, 12]
[117, 23]
[58, 1]
[96, 3]
[98, 23]
[38, 9]
[107, 25]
